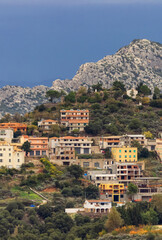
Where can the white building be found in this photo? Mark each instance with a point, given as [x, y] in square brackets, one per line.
[82, 145]
[132, 93]
[97, 206]
[11, 156]
[46, 125]
[6, 135]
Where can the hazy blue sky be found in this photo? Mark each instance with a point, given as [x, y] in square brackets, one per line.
[42, 40]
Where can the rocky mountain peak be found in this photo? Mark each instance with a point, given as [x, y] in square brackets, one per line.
[140, 61]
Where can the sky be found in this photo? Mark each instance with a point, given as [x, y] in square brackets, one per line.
[43, 40]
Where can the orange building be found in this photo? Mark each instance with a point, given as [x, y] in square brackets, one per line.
[15, 126]
[74, 119]
[38, 145]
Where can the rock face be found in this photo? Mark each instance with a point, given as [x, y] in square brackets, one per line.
[140, 61]
[18, 99]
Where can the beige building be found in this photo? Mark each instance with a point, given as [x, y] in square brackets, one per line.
[11, 156]
[46, 125]
[109, 141]
[91, 163]
[6, 135]
[63, 150]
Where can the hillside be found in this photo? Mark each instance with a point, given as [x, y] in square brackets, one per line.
[18, 99]
[140, 61]
[111, 112]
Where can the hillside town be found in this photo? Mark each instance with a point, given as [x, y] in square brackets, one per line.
[110, 162]
[84, 165]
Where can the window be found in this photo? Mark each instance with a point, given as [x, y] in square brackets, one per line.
[9, 160]
[18, 160]
[1, 160]
[37, 153]
[130, 150]
[85, 164]
[134, 156]
[43, 152]
[119, 156]
[32, 153]
[9, 149]
[125, 150]
[125, 156]
[120, 151]
[96, 164]
[134, 150]
[129, 156]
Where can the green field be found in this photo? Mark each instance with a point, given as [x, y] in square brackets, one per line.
[25, 194]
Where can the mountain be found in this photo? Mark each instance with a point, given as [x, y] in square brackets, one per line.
[140, 61]
[18, 99]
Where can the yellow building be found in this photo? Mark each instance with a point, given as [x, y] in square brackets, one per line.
[113, 192]
[124, 154]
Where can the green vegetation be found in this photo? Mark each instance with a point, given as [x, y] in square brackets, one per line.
[111, 111]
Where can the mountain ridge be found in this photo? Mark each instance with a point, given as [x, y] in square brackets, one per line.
[141, 60]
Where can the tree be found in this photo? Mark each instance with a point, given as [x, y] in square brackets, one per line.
[53, 95]
[17, 133]
[135, 124]
[44, 211]
[148, 135]
[70, 97]
[82, 91]
[63, 222]
[136, 144]
[156, 203]
[144, 153]
[150, 217]
[31, 129]
[156, 93]
[145, 100]
[55, 130]
[108, 153]
[114, 220]
[92, 192]
[132, 189]
[76, 171]
[93, 128]
[26, 147]
[117, 85]
[143, 89]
